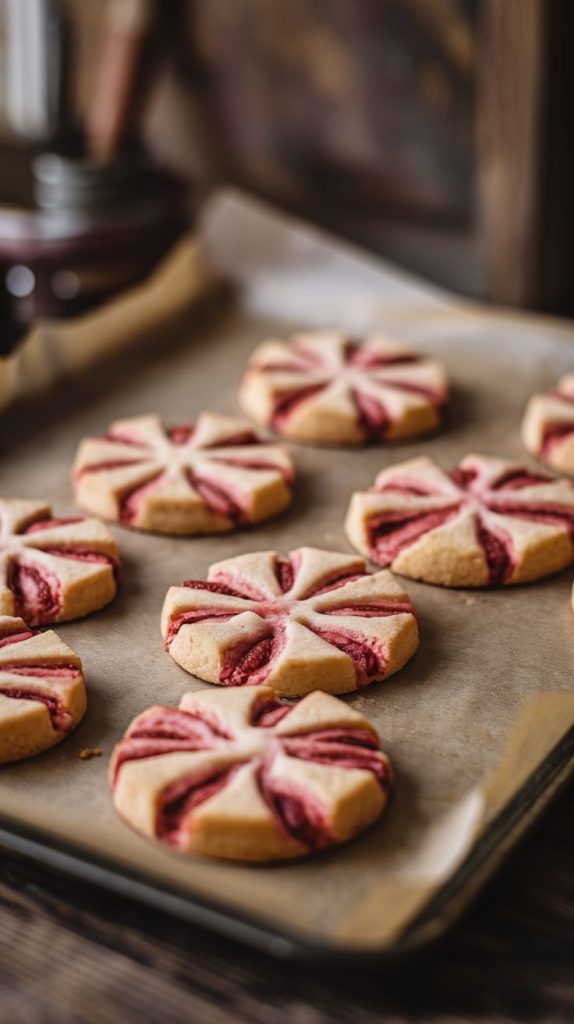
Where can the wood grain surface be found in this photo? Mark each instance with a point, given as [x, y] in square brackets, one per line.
[71, 953]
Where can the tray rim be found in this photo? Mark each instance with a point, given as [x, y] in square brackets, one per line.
[450, 900]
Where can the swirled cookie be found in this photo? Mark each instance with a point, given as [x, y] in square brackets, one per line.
[314, 620]
[241, 775]
[209, 476]
[42, 693]
[548, 426]
[53, 569]
[332, 389]
[489, 522]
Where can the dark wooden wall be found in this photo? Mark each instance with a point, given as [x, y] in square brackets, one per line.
[435, 131]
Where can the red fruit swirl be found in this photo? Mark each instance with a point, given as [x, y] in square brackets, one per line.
[37, 592]
[60, 719]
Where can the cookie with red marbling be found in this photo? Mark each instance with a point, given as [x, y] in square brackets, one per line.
[548, 426]
[42, 693]
[314, 620]
[488, 522]
[241, 775]
[210, 476]
[51, 569]
[329, 388]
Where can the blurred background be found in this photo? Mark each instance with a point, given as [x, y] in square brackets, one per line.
[433, 132]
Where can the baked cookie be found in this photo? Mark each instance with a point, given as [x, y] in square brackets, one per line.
[53, 569]
[42, 694]
[329, 388]
[489, 522]
[206, 477]
[239, 774]
[315, 620]
[548, 426]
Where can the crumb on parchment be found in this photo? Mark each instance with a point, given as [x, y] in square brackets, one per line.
[89, 752]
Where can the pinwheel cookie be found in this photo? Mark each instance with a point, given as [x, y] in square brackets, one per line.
[42, 694]
[489, 522]
[241, 775]
[206, 477]
[53, 569]
[329, 388]
[314, 620]
[548, 426]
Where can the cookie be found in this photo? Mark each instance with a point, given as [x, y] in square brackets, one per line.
[241, 775]
[42, 693]
[210, 476]
[53, 569]
[548, 426]
[328, 388]
[314, 620]
[490, 522]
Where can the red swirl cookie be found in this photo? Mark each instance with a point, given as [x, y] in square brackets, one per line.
[489, 522]
[329, 388]
[314, 620]
[53, 569]
[42, 694]
[210, 476]
[548, 426]
[240, 775]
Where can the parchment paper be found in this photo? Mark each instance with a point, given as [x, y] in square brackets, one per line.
[493, 667]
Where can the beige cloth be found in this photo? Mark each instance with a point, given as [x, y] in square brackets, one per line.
[57, 348]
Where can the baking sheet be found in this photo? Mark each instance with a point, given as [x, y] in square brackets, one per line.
[475, 723]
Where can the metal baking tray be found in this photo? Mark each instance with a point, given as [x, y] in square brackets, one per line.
[479, 724]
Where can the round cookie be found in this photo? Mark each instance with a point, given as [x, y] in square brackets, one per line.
[315, 620]
[53, 569]
[328, 388]
[240, 775]
[489, 522]
[548, 426]
[42, 693]
[210, 476]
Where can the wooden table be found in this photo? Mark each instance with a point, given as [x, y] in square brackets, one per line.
[69, 953]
